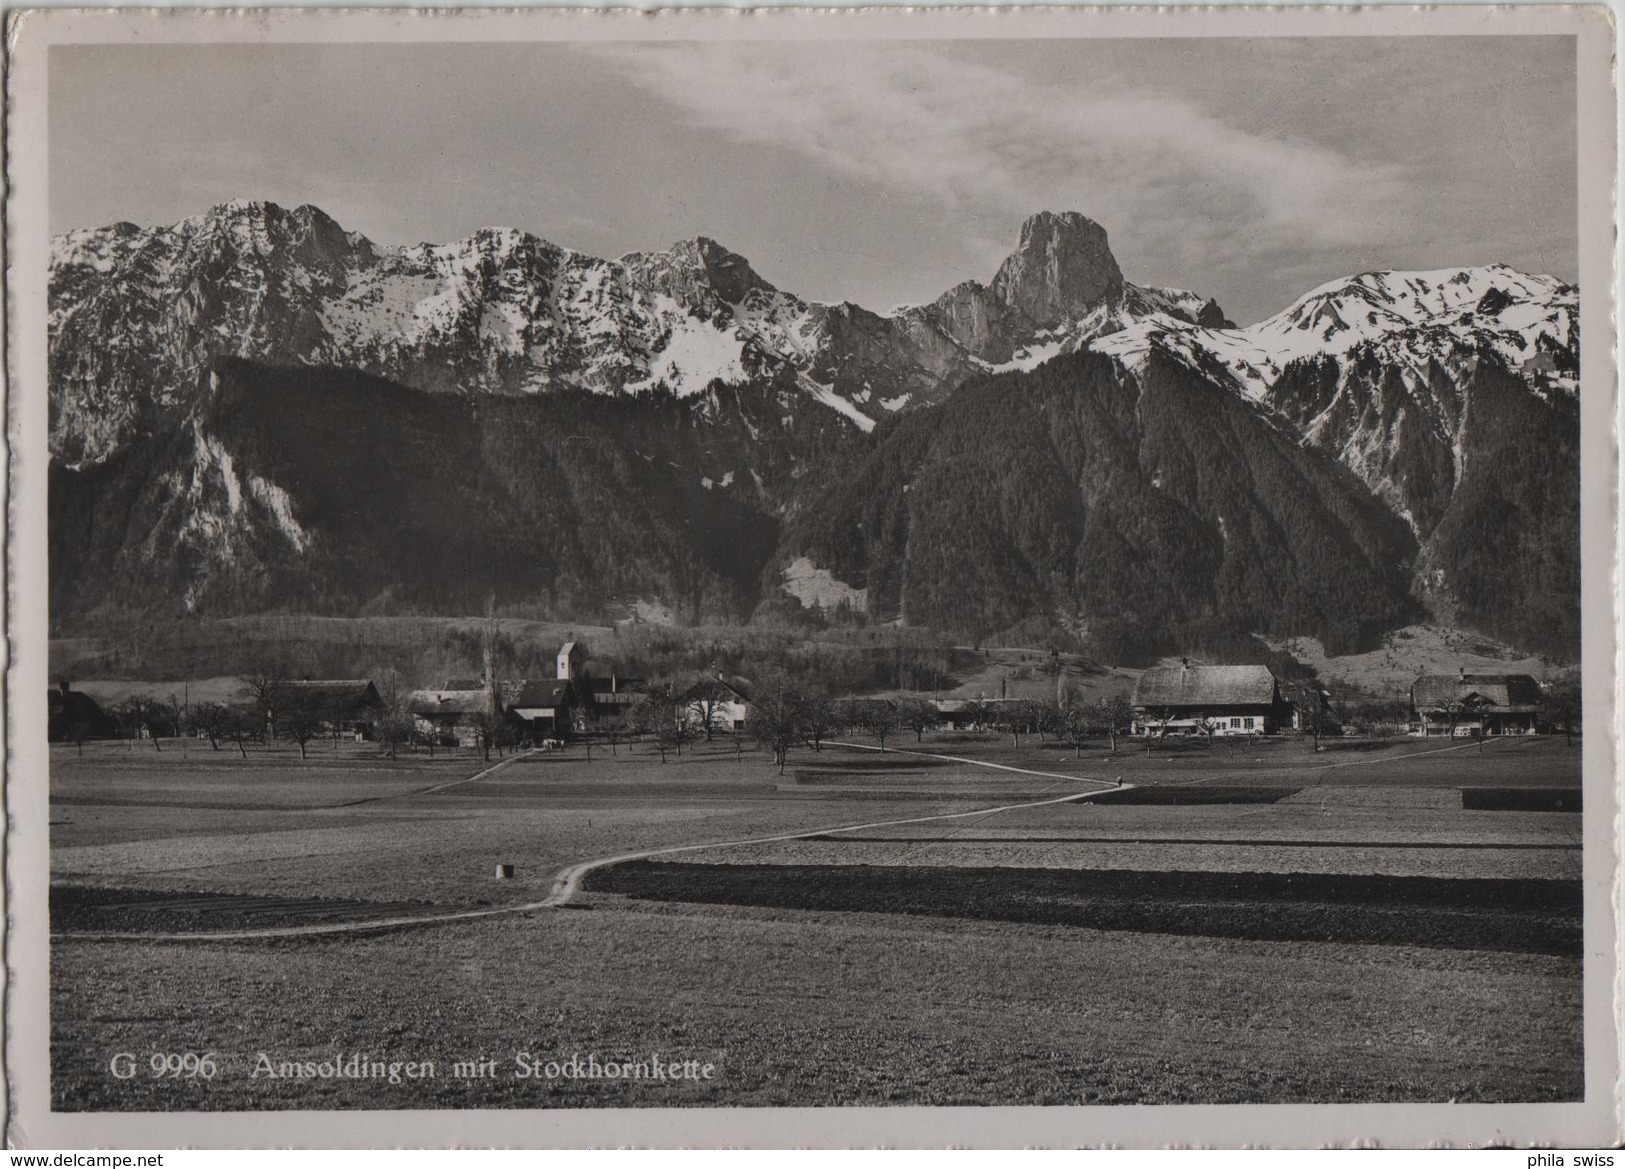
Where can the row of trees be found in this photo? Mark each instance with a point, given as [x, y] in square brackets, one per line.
[786, 714]
[297, 718]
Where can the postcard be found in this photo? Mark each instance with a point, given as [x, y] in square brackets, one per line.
[812, 577]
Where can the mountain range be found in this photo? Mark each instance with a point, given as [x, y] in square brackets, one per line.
[255, 409]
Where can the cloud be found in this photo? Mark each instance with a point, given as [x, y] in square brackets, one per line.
[992, 144]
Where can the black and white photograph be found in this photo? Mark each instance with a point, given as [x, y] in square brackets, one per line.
[616, 573]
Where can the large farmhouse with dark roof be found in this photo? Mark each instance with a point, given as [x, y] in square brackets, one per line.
[76, 715]
[1218, 700]
[1467, 705]
[345, 706]
[547, 708]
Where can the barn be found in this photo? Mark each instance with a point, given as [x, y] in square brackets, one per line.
[1464, 705]
[346, 706]
[547, 708]
[450, 715]
[1218, 700]
[76, 715]
[610, 697]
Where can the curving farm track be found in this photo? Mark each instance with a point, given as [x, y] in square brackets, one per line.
[567, 882]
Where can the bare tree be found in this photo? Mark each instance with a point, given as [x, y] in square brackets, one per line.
[1114, 711]
[1019, 717]
[335, 708]
[266, 687]
[880, 718]
[146, 714]
[704, 697]
[490, 728]
[79, 729]
[1162, 715]
[128, 717]
[776, 716]
[1075, 728]
[1474, 707]
[391, 722]
[1050, 719]
[658, 715]
[979, 713]
[817, 719]
[1563, 705]
[177, 715]
[1311, 706]
[207, 719]
[301, 717]
[239, 726]
[392, 727]
[918, 714]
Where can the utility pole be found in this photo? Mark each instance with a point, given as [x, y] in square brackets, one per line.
[488, 653]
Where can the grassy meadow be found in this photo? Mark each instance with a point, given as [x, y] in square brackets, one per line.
[1009, 957]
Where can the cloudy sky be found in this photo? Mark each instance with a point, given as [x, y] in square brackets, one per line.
[1246, 169]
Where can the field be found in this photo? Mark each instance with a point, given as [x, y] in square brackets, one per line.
[957, 921]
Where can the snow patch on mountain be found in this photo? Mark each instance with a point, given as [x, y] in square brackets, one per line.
[828, 396]
[817, 588]
[1408, 318]
[696, 354]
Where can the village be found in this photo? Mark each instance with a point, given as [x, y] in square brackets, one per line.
[578, 706]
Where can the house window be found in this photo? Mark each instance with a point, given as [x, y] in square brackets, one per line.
[1236, 722]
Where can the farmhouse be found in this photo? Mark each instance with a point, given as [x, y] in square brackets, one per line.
[76, 715]
[346, 706]
[450, 715]
[723, 702]
[956, 713]
[980, 713]
[1219, 700]
[1467, 705]
[610, 697]
[547, 708]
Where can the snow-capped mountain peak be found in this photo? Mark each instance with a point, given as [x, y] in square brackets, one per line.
[1413, 318]
[138, 314]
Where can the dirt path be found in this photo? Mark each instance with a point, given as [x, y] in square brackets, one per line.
[568, 881]
[1319, 770]
[427, 791]
[978, 763]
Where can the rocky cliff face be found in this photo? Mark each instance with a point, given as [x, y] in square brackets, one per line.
[1060, 270]
[137, 313]
[1400, 384]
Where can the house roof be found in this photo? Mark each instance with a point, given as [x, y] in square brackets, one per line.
[1512, 693]
[616, 685]
[951, 704]
[1205, 686]
[440, 702]
[73, 703]
[341, 692]
[734, 688]
[543, 694]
